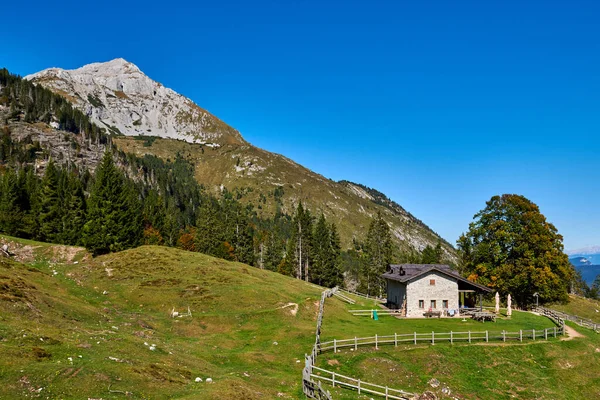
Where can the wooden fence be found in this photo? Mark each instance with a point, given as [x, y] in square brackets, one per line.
[561, 316]
[380, 311]
[366, 296]
[311, 389]
[433, 338]
[311, 382]
[333, 378]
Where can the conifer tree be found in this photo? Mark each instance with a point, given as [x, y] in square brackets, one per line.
[114, 216]
[209, 232]
[300, 248]
[10, 210]
[75, 214]
[50, 212]
[333, 274]
[379, 255]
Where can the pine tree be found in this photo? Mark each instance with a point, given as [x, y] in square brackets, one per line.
[334, 275]
[321, 251]
[10, 211]
[50, 213]
[114, 215]
[209, 233]
[75, 215]
[379, 254]
[300, 248]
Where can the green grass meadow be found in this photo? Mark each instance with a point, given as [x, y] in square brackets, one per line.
[73, 327]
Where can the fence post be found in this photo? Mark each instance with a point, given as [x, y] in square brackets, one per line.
[486, 336]
[395, 339]
[503, 335]
[546, 334]
[554, 331]
[451, 337]
[355, 343]
[359, 386]
[533, 335]
[376, 348]
[333, 379]
[334, 346]
[415, 337]
[386, 393]
[432, 337]
[470, 336]
[520, 335]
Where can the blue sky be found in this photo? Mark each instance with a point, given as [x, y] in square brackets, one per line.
[438, 104]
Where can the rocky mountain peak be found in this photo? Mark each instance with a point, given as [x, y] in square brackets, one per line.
[117, 95]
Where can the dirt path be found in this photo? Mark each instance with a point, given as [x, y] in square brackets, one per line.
[570, 333]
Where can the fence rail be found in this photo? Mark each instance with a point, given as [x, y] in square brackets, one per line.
[558, 315]
[333, 378]
[439, 337]
[312, 389]
[365, 296]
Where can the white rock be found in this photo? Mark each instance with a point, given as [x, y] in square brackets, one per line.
[198, 379]
[117, 94]
[209, 380]
[152, 348]
[275, 343]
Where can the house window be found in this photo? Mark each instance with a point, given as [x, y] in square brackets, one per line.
[444, 303]
[432, 282]
[433, 306]
[421, 303]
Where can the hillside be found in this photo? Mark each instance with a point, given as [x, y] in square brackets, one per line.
[79, 329]
[118, 96]
[75, 327]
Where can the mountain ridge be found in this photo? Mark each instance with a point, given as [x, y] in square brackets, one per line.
[222, 158]
[119, 96]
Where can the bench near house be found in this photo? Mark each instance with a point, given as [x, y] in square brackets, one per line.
[417, 289]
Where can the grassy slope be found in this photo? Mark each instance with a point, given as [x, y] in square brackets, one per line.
[533, 370]
[253, 172]
[46, 318]
[582, 307]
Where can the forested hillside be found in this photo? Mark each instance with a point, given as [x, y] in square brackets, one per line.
[143, 117]
[64, 181]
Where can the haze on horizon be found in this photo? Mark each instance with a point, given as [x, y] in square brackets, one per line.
[439, 106]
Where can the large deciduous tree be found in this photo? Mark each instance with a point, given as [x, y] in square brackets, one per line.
[512, 248]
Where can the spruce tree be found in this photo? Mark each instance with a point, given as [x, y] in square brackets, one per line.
[379, 255]
[334, 275]
[114, 215]
[50, 211]
[300, 251]
[210, 231]
[75, 214]
[11, 213]
[321, 251]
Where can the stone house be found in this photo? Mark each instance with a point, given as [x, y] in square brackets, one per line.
[418, 288]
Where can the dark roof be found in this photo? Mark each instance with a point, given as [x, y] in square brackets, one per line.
[407, 272]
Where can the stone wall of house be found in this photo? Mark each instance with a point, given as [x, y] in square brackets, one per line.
[445, 288]
[395, 293]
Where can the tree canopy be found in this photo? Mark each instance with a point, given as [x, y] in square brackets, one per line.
[512, 248]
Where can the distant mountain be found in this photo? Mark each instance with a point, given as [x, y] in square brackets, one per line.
[590, 250]
[580, 261]
[589, 266]
[118, 96]
[121, 98]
